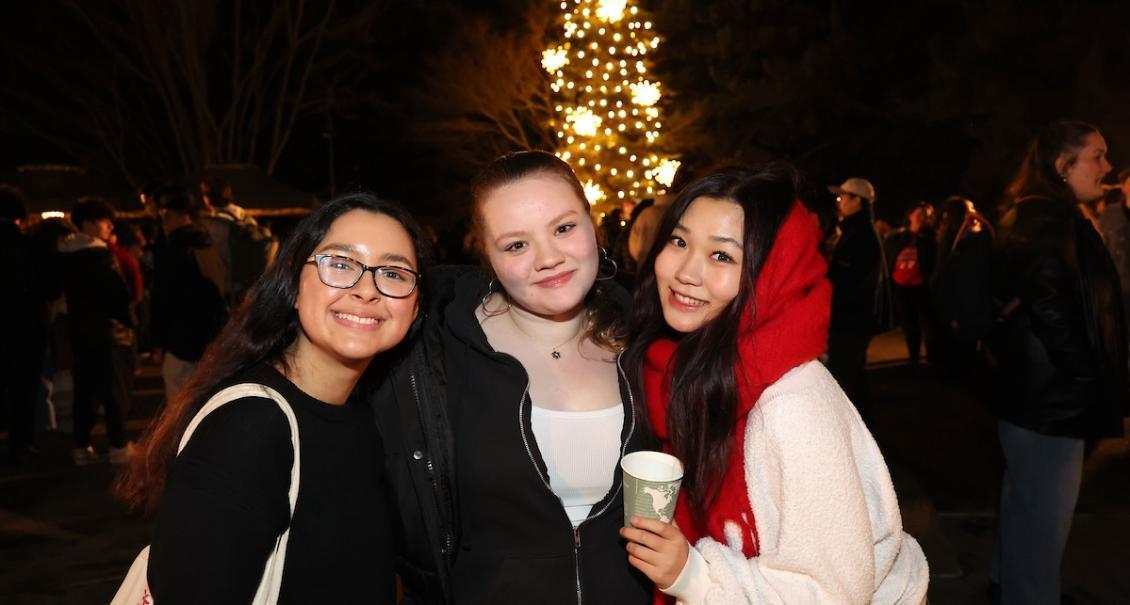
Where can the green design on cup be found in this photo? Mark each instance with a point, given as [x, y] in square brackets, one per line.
[651, 485]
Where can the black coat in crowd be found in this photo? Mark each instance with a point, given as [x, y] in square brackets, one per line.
[853, 270]
[188, 308]
[97, 296]
[1062, 354]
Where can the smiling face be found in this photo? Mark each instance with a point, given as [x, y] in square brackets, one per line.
[351, 325]
[1085, 175]
[699, 271]
[541, 244]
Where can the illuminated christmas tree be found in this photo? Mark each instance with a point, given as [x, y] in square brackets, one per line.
[607, 115]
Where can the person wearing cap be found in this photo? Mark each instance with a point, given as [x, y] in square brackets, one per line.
[854, 270]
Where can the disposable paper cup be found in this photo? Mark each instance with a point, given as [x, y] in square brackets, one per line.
[651, 485]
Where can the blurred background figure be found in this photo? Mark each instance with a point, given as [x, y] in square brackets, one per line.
[188, 307]
[23, 305]
[959, 286]
[100, 327]
[246, 248]
[641, 237]
[910, 252]
[1114, 223]
[856, 270]
[621, 252]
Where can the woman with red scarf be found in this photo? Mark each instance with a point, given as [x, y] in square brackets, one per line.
[785, 497]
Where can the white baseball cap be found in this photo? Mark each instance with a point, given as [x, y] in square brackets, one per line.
[855, 186]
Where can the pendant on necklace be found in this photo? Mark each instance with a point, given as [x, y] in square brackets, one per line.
[556, 355]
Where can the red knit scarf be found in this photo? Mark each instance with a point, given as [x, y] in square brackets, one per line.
[786, 325]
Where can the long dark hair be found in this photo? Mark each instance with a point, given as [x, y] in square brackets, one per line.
[606, 319]
[260, 331]
[1037, 174]
[703, 403]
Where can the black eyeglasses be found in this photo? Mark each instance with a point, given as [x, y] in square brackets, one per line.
[343, 273]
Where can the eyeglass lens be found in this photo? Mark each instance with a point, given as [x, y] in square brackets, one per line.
[342, 272]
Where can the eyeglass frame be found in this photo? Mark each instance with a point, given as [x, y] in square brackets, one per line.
[364, 269]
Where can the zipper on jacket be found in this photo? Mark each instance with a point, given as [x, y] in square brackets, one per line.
[445, 537]
[545, 480]
[577, 559]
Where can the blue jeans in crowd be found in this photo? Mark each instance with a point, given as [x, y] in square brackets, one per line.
[1038, 494]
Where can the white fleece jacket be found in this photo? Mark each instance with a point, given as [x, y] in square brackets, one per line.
[824, 507]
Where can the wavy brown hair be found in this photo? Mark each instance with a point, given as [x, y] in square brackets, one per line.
[606, 326]
[260, 331]
[1037, 174]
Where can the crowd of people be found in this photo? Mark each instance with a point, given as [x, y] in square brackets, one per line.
[97, 291]
[461, 427]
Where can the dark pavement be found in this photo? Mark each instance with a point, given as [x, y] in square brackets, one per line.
[64, 540]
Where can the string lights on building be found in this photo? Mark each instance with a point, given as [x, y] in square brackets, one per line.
[607, 116]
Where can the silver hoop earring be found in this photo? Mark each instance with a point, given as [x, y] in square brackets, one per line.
[490, 290]
[483, 302]
[604, 262]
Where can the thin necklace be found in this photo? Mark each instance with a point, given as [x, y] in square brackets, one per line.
[554, 352]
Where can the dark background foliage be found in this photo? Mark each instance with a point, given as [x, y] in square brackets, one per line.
[410, 97]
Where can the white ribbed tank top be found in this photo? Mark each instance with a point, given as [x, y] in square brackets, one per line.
[581, 452]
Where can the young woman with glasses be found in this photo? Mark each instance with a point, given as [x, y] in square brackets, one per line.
[344, 289]
[511, 414]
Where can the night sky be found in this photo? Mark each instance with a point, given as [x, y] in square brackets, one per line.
[926, 99]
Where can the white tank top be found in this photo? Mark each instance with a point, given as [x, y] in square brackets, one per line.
[581, 451]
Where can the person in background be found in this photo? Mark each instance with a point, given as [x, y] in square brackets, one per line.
[856, 272]
[957, 285]
[1061, 354]
[641, 238]
[620, 252]
[100, 327]
[785, 496]
[246, 247]
[509, 417]
[344, 292]
[219, 199]
[45, 237]
[1114, 224]
[188, 307]
[910, 255]
[128, 244]
[129, 266]
[131, 238]
[24, 306]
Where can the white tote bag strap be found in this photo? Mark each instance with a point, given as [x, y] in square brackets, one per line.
[268, 592]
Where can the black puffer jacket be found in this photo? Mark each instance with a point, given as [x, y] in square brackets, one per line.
[1062, 354]
[455, 403]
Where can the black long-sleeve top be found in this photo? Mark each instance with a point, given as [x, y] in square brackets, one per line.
[225, 504]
